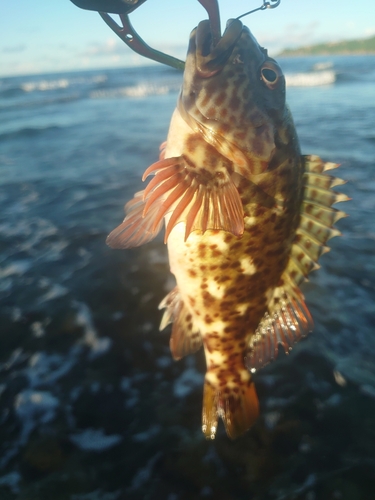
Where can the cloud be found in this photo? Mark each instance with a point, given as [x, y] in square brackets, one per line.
[14, 49]
[109, 47]
[290, 35]
[115, 51]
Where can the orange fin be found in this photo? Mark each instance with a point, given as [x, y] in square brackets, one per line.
[162, 148]
[238, 407]
[287, 324]
[135, 230]
[200, 198]
[185, 339]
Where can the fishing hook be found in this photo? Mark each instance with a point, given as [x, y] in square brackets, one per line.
[266, 5]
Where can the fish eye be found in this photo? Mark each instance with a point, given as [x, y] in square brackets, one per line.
[270, 74]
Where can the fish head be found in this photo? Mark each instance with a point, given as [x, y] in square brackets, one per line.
[234, 94]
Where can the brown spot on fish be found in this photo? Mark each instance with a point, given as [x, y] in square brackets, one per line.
[220, 99]
[192, 301]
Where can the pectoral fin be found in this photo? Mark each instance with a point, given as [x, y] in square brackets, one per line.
[200, 198]
[136, 229]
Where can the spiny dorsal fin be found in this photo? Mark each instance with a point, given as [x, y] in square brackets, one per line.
[289, 322]
[314, 163]
[317, 220]
[185, 338]
[289, 319]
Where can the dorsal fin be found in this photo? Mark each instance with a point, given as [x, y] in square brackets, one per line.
[288, 318]
[317, 220]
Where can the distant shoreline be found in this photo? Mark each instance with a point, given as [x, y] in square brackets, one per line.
[317, 54]
[297, 53]
[362, 47]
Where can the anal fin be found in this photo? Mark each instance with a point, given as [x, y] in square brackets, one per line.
[238, 407]
[185, 338]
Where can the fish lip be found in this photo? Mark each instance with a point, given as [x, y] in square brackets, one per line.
[210, 60]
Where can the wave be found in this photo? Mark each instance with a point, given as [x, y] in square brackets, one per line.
[310, 79]
[139, 90]
[61, 83]
[47, 85]
[319, 66]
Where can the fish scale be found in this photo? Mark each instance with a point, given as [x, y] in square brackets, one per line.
[246, 217]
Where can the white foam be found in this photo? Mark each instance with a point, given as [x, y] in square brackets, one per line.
[136, 91]
[153, 431]
[95, 440]
[37, 329]
[311, 79]
[54, 292]
[15, 268]
[60, 83]
[98, 345]
[187, 382]
[34, 408]
[46, 368]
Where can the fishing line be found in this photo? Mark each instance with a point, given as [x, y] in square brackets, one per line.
[266, 5]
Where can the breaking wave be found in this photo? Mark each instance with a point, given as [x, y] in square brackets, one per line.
[46, 85]
[311, 78]
[139, 90]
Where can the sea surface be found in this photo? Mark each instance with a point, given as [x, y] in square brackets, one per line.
[92, 406]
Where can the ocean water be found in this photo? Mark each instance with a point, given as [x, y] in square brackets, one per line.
[92, 407]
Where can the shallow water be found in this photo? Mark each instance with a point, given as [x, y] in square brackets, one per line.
[92, 405]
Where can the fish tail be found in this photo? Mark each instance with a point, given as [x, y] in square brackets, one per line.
[237, 406]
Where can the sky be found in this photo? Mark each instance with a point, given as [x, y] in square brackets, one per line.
[44, 36]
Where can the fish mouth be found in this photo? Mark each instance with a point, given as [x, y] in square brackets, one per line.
[211, 59]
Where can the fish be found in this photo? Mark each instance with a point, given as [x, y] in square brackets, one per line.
[246, 218]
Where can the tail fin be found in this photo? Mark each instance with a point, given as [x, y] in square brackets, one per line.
[238, 407]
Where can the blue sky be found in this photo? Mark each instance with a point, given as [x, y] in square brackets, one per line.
[40, 36]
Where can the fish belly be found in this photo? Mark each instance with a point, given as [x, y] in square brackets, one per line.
[212, 281]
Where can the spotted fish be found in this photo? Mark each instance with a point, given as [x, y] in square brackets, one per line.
[246, 217]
